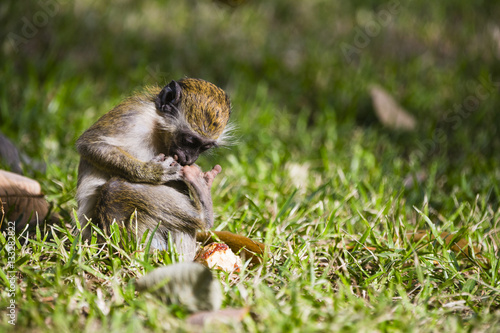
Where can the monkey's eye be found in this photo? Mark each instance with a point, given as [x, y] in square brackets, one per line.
[207, 146]
[189, 141]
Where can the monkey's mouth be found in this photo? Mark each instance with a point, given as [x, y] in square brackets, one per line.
[182, 158]
[176, 155]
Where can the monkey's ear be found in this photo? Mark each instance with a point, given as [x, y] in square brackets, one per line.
[169, 97]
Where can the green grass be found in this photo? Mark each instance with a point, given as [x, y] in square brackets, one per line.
[311, 170]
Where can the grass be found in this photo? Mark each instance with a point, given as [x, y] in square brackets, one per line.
[312, 173]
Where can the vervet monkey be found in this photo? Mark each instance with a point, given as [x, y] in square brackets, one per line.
[140, 155]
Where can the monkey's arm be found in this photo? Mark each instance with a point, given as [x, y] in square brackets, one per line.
[117, 162]
[199, 184]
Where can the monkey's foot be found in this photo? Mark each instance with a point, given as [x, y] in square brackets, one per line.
[193, 174]
[210, 175]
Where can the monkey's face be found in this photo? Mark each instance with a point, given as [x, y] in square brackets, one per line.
[187, 146]
[200, 111]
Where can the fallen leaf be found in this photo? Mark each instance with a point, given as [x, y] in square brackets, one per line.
[225, 316]
[389, 112]
[189, 284]
[22, 200]
[414, 179]
[244, 246]
[495, 36]
[459, 245]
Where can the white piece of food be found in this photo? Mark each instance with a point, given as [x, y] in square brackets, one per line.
[219, 256]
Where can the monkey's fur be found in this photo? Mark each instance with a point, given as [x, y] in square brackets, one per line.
[140, 155]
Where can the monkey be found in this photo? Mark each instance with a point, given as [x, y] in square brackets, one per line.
[140, 157]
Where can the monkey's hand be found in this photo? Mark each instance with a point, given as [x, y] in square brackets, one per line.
[169, 169]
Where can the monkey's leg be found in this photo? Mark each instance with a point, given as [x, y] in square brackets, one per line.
[169, 204]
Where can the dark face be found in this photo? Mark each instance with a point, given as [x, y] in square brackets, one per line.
[187, 146]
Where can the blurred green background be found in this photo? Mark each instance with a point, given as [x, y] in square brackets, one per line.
[298, 73]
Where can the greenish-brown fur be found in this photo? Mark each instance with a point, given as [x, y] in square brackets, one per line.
[120, 170]
[206, 106]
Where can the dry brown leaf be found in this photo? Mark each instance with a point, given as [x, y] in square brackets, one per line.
[414, 179]
[22, 200]
[495, 36]
[188, 283]
[459, 246]
[389, 112]
[220, 316]
[244, 246]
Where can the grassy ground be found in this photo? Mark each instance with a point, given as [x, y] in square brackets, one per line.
[311, 167]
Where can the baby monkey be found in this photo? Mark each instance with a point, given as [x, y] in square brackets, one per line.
[139, 157]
